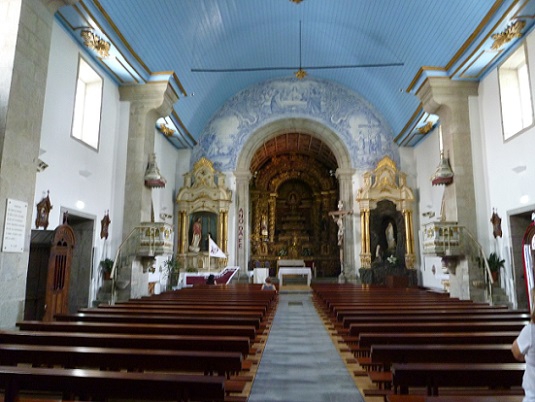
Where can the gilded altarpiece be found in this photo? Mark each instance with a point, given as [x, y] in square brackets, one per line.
[203, 206]
[387, 236]
[290, 199]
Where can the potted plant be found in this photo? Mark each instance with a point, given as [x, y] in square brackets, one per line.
[495, 264]
[106, 266]
[172, 268]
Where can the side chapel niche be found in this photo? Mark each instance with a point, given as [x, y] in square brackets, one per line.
[203, 206]
[386, 208]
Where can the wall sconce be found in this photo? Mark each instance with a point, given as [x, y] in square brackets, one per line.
[96, 43]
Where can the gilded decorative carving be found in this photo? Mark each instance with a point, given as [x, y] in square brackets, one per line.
[204, 191]
[385, 183]
[167, 131]
[511, 32]
[426, 128]
[96, 43]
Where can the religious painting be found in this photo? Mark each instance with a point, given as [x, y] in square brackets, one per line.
[43, 211]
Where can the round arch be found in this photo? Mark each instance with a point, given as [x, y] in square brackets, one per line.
[282, 126]
[243, 174]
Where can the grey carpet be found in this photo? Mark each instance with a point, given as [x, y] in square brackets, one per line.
[300, 362]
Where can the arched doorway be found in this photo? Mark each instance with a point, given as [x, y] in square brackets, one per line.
[289, 175]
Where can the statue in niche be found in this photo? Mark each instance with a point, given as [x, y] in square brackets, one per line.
[196, 237]
[263, 228]
[390, 240]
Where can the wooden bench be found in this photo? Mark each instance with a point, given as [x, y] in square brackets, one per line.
[398, 353]
[101, 385]
[378, 312]
[135, 341]
[356, 329]
[129, 328]
[366, 340]
[155, 319]
[433, 376]
[467, 317]
[224, 363]
[179, 307]
[455, 398]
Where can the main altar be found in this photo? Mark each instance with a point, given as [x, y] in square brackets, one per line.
[290, 200]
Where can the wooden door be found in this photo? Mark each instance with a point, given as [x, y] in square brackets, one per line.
[528, 249]
[59, 268]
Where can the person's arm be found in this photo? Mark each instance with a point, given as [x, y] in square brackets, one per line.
[516, 352]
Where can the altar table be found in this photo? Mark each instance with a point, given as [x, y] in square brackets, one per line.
[295, 271]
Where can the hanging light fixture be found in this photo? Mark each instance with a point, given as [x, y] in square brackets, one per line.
[153, 178]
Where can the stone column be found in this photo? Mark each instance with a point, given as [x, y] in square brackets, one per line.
[449, 100]
[182, 238]
[243, 245]
[345, 182]
[272, 216]
[26, 30]
[148, 103]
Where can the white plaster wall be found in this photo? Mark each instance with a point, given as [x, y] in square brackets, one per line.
[76, 172]
[507, 190]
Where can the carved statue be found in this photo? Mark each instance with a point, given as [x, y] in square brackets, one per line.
[197, 234]
[390, 240]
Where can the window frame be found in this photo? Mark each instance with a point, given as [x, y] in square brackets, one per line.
[81, 60]
[522, 47]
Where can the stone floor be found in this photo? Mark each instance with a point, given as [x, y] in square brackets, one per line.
[301, 360]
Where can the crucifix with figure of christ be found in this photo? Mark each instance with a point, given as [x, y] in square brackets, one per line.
[338, 216]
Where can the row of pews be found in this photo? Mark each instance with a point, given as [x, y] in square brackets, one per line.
[194, 344]
[417, 345]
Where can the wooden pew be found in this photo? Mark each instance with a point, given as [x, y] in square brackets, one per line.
[477, 326]
[434, 376]
[366, 340]
[173, 313]
[224, 363]
[179, 307]
[454, 398]
[437, 318]
[341, 314]
[443, 353]
[101, 385]
[129, 328]
[130, 341]
[154, 319]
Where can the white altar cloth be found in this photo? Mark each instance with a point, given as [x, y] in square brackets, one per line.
[294, 271]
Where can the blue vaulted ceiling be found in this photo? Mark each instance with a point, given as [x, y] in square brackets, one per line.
[405, 40]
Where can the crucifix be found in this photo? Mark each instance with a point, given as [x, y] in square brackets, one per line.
[338, 216]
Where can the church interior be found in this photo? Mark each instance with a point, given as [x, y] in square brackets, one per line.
[366, 157]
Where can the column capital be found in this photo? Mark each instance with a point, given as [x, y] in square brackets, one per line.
[243, 175]
[436, 92]
[344, 174]
[55, 5]
[159, 96]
